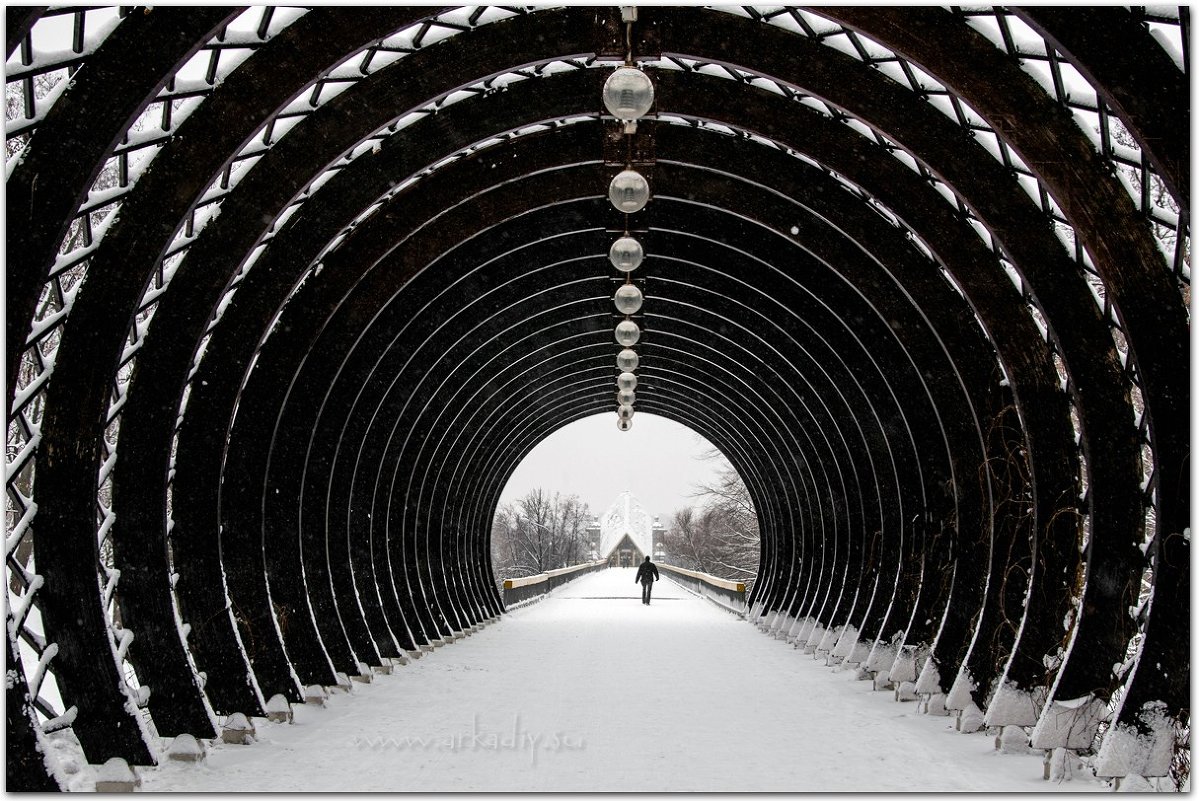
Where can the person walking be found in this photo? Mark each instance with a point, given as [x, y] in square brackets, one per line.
[647, 574]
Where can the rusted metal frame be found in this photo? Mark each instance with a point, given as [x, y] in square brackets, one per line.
[379, 284]
[18, 21]
[340, 270]
[1036, 252]
[398, 158]
[391, 415]
[387, 87]
[960, 420]
[807, 609]
[144, 484]
[1149, 93]
[501, 382]
[294, 619]
[800, 567]
[1022, 350]
[108, 92]
[1010, 560]
[875, 403]
[576, 381]
[766, 164]
[406, 513]
[468, 353]
[25, 767]
[797, 522]
[1127, 259]
[1131, 74]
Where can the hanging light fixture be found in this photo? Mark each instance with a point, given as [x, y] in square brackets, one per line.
[628, 93]
[627, 333]
[626, 254]
[626, 360]
[629, 191]
[627, 299]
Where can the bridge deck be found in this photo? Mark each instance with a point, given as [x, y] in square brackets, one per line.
[590, 690]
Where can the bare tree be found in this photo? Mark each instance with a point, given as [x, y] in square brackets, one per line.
[539, 532]
[721, 537]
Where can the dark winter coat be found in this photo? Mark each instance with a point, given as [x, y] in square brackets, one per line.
[647, 573]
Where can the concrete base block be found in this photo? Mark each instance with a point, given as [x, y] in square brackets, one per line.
[363, 678]
[315, 694]
[882, 682]
[970, 720]
[862, 674]
[934, 705]
[1061, 765]
[426, 647]
[186, 748]
[278, 710]
[1012, 740]
[115, 776]
[344, 685]
[417, 654]
[238, 730]
[384, 669]
[906, 691]
[1133, 783]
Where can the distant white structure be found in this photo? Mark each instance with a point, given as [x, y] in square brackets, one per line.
[626, 532]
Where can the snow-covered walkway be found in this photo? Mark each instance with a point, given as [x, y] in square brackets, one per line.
[589, 690]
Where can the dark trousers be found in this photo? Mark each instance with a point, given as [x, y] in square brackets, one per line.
[647, 587]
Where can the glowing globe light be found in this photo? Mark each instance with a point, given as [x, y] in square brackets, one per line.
[626, 397]
[626, 254]
[624, 412]
[626, 382]
[628, 93]
[627, 299]
[623, 424]
[629, 191]
[627, 333]
[627, 361]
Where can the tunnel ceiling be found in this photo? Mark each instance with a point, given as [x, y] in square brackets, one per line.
[291, 292]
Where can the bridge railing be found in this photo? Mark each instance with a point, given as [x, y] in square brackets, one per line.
[525, 588]
[723, 592]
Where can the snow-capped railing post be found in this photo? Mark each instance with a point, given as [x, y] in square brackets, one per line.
[522, 589]
[724, 593]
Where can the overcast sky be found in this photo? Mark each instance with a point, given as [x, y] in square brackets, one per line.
[659, 461]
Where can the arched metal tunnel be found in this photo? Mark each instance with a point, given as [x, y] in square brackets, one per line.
[291, 293]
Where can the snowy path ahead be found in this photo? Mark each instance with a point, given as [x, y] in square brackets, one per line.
[589, 690]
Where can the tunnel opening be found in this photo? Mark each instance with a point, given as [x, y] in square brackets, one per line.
[589, 493]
